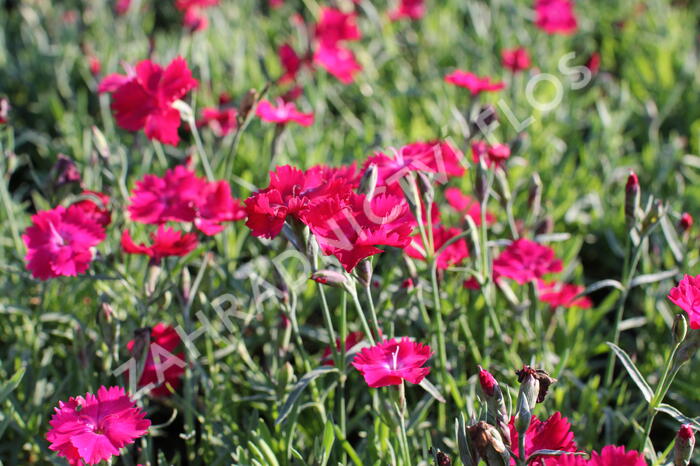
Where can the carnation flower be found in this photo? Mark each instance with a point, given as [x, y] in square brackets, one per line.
[352, 228]
[221, 121]
[94, 428]
[336, 26]
[390, 362]
[283, 113]
[408, 9]
[290, 62]
[493, 156]
[516, 59]
[466, 205]
[167, 339]
[181, 196]
[60, 242]
[687, 296]
[524, 260]
[97, 211]
[122, 6]
[474, 83]
[610, 455]
[166, 242]
[4, 110]
[451, 255]
[556, 16]
[144, 100]
[563, 294]
[338, 61]
[552, 434]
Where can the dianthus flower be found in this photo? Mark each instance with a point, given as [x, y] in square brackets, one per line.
[516, 59]
[466, 205]
[166, 242]
[524, 260]
[60, 242]
[390, 362]
[283, 113]
[451, 255]
[163, 341]
[94, 428]
[408, 9]
[687, 296]
[352, 339]
[555, 16]
[610, 455]
[493, 156]
[552, 434]
[474, 83]
[563, 294]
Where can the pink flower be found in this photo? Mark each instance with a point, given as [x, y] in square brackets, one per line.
[516, 59]
[292, 193]
[94, 428]
[97, 211]
[290, 62]
[338, 61]
[352, 339]
[593, 63]
[221, 121]
[351, 228]
[494, 156]
[390, 362]
[283, 113]
[563, 294]
[144, 100]
[686, 222]
[336, 26]
[275, 3]
[471, 284]
[122, 6]
[610, 455]
[166, 242]
[60, 242]
[409, 9]
[552, 434]
[195, 19]
[452, 255]
[4, 110]
[166, 339]
[475, 84]
[524, 261]
[181, 196]
[184, 5]
[467, 205]
[556, 16]
[487, 381]
[95, 65]
[687, 296]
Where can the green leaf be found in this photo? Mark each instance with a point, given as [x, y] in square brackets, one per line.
[677, 415]
[653, 277]
[432, 389]
[299, 388]
[328, 439]
[633, 371]
[465, 453]
[546, 452]
[10, 386]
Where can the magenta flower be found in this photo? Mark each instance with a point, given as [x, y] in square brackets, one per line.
[556, 16]
[467, 205]
[610, 455]
[95, 427]
[493, 156]
[408, 9]
[487, 381]
[338, 61]
[181, 196]
[524, 261]
[60, 242]
[221, 121]
[516, 59]
[144, 100]
[687, 296]
[166, 242]
[351, 339]
[167, 338]
[563, 294]
[390, 362]
[552, 434]
[474, 83]
[290, 62]
[336, 26]
[283, 113]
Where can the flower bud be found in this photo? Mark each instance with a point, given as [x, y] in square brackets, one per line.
[441, 459]
[152, 280]
[632, 199]
[186, 283]
[492, 392]
[683, 449]
[247, 103]
[534, 197]
[488, 443]
[689, 347]
[65, 172]
[426, 187]
[364, 272]
[280, 282]
[523, 415]
[545, 226]
[107, 311]
[285, 376]
[534, 384]
[368, 182]
[503, 188]
[679, 329]
[330, 278]
[4, 110]
[685, 223]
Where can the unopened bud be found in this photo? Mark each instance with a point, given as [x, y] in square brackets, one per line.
[152, 280]
[679, 329]
[523, 415]
[545, 226]
[534, 197]
[685, 443]
[488, 443]
[280, 282]
[534, 384]
[441, 459]
[364, 272]
[368, 182]
[4, 110]
[330, 278]
[503, 188]
[247, 103]
[492, 393]
[689, 347]
[632, 199]
[425, 185]
[685, 223]
[107, 311]
[285, 376]
[186, 283]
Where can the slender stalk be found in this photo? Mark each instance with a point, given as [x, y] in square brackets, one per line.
[200, 149]
[361, 314]
[373, 312]
[340, 363]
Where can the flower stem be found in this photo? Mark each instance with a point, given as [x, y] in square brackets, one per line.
[200, 149]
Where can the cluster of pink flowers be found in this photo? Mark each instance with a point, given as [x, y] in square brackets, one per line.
[143, 98]
[193, 16]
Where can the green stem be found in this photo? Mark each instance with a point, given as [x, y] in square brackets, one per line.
[361, 314]
[200, 149]
[373, 312]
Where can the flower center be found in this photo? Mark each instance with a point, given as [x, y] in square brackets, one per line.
[395, 357]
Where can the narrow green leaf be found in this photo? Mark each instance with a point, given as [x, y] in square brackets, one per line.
[299, 388]
[328, 439]
[10, 386]
[432, 389]
[546, 452]
[653, 277]
[633, 371]
[677, 415]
